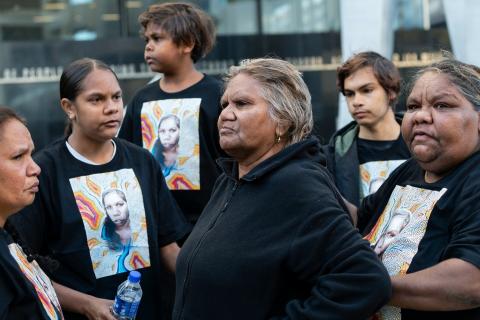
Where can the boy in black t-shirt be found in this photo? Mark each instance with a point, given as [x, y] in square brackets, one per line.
[362, 154]
[175, 117]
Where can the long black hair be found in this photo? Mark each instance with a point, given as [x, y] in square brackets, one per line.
[108, 231]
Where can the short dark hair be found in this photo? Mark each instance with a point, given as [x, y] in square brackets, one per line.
[384, 70]
[71, 80]
[7, 114]
[184, 23]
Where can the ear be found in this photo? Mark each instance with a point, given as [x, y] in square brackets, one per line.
[68, 108]
[391, 96]
[281, 130]
[188, 48]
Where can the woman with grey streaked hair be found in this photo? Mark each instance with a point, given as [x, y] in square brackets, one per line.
[289, 99]
[434, 259]
[274, 241]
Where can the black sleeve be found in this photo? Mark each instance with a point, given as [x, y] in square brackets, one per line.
[329, 153]
[5, 298]
[366, 212]
[348, 281]
[465, 240]
[126, 130]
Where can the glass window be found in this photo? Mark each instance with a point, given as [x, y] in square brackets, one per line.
[133, 8]
[225, 14]
[419, 14]
[233, 17]
[437, 14]
[59, 19]
[300, 16]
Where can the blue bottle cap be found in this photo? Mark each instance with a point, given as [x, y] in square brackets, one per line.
[134, 276]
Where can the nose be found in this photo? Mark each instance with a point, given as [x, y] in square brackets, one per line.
[112, 106]
[148, 46]
[423, 115]
[227, 114]
[357, 101]
[33, 170]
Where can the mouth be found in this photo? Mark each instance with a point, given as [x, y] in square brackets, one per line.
[149, 60]
[421, 135]
[359, 114]
[33, 187]
[111, 123]
[225, 131]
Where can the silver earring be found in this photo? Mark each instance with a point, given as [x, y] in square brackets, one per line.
[278, 139]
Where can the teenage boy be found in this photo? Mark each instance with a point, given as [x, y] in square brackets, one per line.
[362, 154]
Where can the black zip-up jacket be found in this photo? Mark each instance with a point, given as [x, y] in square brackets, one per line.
[277, 244]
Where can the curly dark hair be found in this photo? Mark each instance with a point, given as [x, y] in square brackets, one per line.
[184, 23]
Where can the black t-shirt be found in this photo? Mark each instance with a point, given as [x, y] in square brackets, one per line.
[68, 221]
[190, 117]
[377, 160]
[25, 291]
[413, 225]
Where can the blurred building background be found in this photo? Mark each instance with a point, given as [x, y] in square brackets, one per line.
[39, 37]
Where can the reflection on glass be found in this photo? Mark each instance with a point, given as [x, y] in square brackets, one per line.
[59, 19]
[300, 16]
[235, 17]
[419, 14]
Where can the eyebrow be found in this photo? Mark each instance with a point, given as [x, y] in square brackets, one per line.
[155, 33]
[101, 94]
[22, 149]
[363, 86]
[441, 95]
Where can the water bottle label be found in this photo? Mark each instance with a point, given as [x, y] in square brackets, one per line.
[123, 308]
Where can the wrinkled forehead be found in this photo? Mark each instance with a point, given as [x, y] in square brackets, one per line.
[433, 83]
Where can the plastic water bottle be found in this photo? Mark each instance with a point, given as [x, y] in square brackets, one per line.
[128, 297]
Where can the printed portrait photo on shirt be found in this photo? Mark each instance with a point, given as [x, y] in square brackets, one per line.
[113, 215]
[399, 230]
[39, 280]
[374, 173]
[170, 133]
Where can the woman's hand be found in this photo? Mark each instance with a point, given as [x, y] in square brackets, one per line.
[75, 301]
[98, 309]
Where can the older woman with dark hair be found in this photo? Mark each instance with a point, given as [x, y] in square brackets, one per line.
[25, 290]
[434, 259]
[274, 241]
